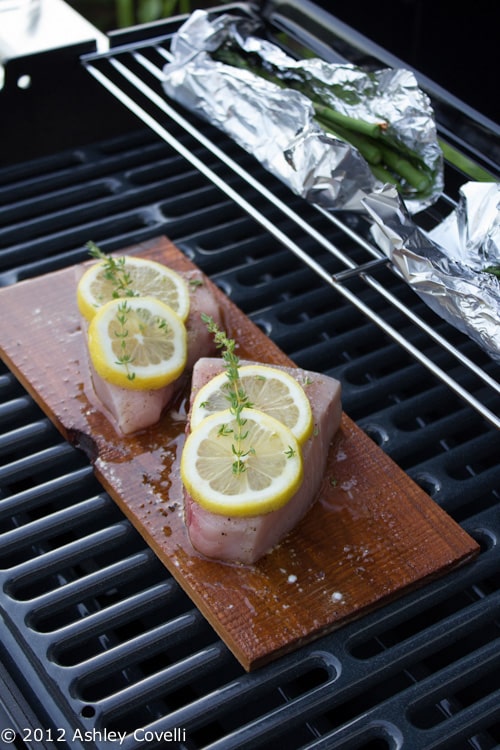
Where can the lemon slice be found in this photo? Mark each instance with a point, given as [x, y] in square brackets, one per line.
[267, 388]
[129, 276]
[268, 451]
[138, 343]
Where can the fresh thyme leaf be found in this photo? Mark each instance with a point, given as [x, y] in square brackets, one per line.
[115, 270]
[95, 251]
[122, 333]
[238, 400]
[237, 397]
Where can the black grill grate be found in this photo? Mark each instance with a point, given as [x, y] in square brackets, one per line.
[96, 636]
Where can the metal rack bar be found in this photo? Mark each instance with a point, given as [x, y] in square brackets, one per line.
[115, 58]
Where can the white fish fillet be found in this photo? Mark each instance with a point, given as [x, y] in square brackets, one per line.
[130, 410]
[246, 539]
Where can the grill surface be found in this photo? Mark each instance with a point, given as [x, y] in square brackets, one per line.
[96, 636]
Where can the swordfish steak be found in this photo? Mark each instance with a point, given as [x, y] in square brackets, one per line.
[133, 410]
[246, 539]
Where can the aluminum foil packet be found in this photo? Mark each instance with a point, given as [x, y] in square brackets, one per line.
[278, 125]
[447, 266]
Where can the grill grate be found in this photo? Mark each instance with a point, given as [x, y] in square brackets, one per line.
[96, 636]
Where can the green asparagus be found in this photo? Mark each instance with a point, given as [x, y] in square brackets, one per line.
[495, 270]
[388, 160]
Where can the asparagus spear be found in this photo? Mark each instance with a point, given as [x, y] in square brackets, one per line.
[329, 115]
[387, 163]
[399, 165]
[495, 270]
[365, 146]
[247, 62]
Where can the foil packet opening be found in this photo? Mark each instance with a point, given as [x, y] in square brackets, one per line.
[454, 267]
[279, 125]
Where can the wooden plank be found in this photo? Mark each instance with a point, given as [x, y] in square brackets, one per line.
[372, 535]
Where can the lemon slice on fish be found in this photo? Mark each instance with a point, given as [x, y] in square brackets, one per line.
[130, 276]
[138, 343]
[241, 467]
[267, 388]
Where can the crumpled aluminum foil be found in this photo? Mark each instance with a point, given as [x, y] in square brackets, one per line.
[446, 266]
[277, 126]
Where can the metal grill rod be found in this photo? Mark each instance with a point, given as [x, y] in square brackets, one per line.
[283, 238]
[441, 340]
[354, 269]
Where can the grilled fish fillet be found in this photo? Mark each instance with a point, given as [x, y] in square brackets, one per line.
[133, 410]
[246, 539]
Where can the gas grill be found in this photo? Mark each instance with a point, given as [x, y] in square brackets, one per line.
[100, 647]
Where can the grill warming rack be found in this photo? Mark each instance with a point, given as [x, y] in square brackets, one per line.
[133, 73]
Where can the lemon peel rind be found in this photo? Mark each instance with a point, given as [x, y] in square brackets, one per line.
[104, 360]
[252, 504]
[302, 431]
[88, 304]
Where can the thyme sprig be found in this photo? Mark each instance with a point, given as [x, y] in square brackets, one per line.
[122, 334]
[115, 270]
[236, 395]
[238, 399]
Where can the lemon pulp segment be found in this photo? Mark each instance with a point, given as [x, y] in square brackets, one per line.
[268, 389]
[140, 277]
[137, 343]
[272, 463]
